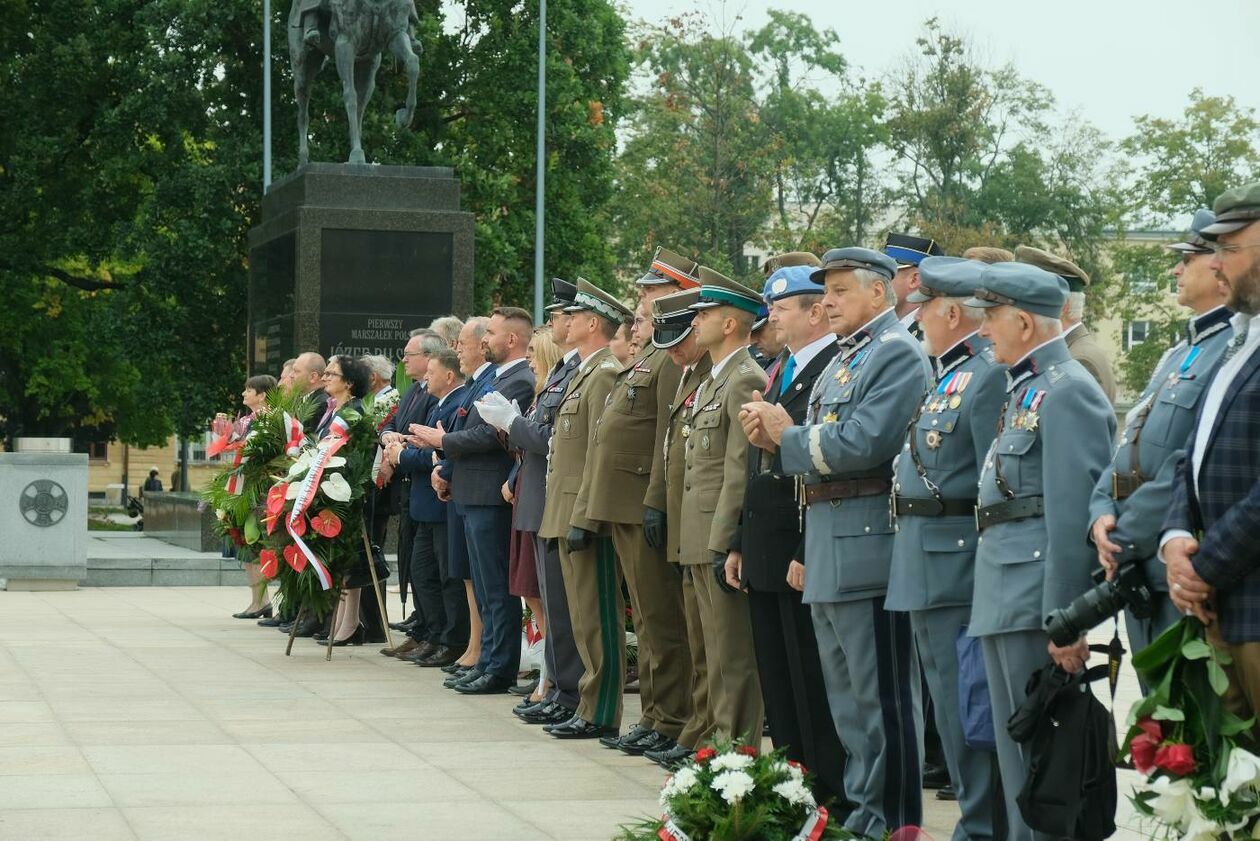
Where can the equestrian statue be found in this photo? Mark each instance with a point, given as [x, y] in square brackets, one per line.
[353, 33]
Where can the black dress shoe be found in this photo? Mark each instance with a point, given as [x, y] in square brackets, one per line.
[271, 622]
[546, 714]
[652, 741]
[935, 776]
[484, 685]
[319, 636]
[580, 728]
[357, 638]
[405, 625]
[462, 677]
[525, 688]
[309, 627]
[635, 733]
[263, 612]
[442, 656]
[946, 792]
[670, 759]
[525, 704]
[453, 667]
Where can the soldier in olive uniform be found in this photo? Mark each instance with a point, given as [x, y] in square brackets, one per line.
[613, 493]
[1134, 493]
[592, 584]
[1053, 442]
[859, 409]
[1081, 343]
[934, 494]
[672, 331]
[713, 492]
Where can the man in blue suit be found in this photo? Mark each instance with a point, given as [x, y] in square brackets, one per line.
[481, 464]
[1209, 543]
[442, 630]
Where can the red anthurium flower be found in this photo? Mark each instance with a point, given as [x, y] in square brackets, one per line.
[1176, 759]
[746, 750]
[269, 562]
[275, 498]
[326, 523]
[299, 526]
[294, 557]
[272, 521]
[705, 754]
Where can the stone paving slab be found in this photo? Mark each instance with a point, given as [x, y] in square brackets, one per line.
[149, 714]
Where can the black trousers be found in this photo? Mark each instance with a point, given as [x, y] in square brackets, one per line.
[793, 690]
[440, 598]
[406, 540]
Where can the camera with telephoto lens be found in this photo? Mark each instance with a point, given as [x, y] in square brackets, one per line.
[1106, 598]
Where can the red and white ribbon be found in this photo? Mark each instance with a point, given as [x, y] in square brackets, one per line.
[338, 436]
[814, 826]
[236, 482]
[295, 436]
[672, 832]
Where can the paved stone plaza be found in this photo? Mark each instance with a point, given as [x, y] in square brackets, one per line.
[148, 713]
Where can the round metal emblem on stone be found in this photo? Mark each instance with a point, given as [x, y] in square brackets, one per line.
[43, 503]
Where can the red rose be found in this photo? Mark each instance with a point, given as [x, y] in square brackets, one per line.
[746, 750]
[796, 764]
[705, 754]
[269, 562]
[1175, 759]
[326, 523]
[1151, 728]
[275, 498]
[1142, 748]
[294, 557]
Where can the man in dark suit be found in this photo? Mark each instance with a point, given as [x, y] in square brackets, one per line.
[442, 631]
[481, 464]
[771, 546]
[1209, 536]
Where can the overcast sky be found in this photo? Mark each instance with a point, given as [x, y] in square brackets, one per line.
[1111, 59]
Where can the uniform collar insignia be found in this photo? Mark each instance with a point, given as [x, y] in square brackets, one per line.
[1214, 321]
[953, 357]
[1018, 373]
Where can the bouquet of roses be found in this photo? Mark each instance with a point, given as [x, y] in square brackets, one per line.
[1200, 782]
[263, 447]
[313, 514]
[734, 793]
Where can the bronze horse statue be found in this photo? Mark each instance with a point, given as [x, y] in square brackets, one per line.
[353, 33]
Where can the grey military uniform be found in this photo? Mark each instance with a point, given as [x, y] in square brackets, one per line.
[860, 407]
[1137, 486]
[1053, 443]
[935, 545]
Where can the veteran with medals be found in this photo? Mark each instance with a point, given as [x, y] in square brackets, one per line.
[1053, 442]
[934, 504]
[858, 412]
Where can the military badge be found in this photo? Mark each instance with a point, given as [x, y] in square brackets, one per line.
[933, 439]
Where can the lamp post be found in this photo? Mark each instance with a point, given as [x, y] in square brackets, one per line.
[541, 165]
[266, 95]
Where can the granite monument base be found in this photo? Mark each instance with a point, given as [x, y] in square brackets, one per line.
[43, 520]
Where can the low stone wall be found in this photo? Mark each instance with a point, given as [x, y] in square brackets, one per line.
[174, 518]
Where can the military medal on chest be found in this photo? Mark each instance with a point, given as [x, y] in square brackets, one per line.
[1026, 417]
[846, 372]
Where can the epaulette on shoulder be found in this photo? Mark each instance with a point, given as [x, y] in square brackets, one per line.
[744, 368]
[1056, 375]
[610, 364]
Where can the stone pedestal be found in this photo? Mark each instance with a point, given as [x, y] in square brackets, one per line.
[43, 520]
[350, 258]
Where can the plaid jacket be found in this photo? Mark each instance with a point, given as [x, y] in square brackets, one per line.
[1226, 506]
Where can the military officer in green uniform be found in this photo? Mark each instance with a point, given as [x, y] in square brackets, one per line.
[714, 477]
[592, 583]
[1134, 493]
[614, 492]
[1053, 442]
[934, 492]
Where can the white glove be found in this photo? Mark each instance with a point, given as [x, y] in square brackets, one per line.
[498, 411]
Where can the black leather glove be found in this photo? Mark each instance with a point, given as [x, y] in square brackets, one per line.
[654, 528]
[719, 572]
[578, 539]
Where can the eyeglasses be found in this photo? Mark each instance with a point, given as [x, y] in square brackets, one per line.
[407, 354]
[1219, 249]
[328, 375]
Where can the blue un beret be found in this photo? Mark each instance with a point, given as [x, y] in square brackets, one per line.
[1020, 285]
[789, 281]
[946, 277]
[855, 258]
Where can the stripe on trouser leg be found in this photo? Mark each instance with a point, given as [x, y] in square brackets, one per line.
[894, 641]
[609, 626]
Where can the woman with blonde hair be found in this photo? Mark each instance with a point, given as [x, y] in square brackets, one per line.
[542, 354]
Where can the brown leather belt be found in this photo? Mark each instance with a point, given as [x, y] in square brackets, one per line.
[918, 506]
[846, 489]
[1124, 485]
[1020, 508]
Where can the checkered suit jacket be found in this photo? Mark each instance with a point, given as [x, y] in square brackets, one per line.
[1226, 507]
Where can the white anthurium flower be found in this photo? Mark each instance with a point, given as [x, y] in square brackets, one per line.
[795, 792]
[335, 461]
[1203, 828]
[336, 488]
[733, 785]
[1173, 802]
[291, 492]
[731, 762]
[301, 464]
[1242, 771]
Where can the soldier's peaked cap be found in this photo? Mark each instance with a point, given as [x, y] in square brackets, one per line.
[947, 277]
[718, 290]
[1020, 285]
[591, 298]
[672, 317]
[910, 250]
[670, 267]
[1075, 277]
[562, 293]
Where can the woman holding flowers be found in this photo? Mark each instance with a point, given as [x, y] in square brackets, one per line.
[254, 397]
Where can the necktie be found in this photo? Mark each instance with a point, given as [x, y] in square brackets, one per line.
[789, 371]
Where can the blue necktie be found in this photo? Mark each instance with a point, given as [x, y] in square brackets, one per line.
[789, 371]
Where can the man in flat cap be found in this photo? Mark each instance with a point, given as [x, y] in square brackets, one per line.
[591, 580]
[1216, 495]
[1053, 442]
[855, 424]
[908, 251]
[714, 476]
[1133, 494]
[934, 496]
[1081, 342]
[530, 434]
[770, 562]
[615, 488]
[673, 332]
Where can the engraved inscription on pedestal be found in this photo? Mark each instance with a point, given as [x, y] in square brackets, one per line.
[43, 503]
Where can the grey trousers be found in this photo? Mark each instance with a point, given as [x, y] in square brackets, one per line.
[971, 771]
[1009, 660]
[873, 689]
[564, 666]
